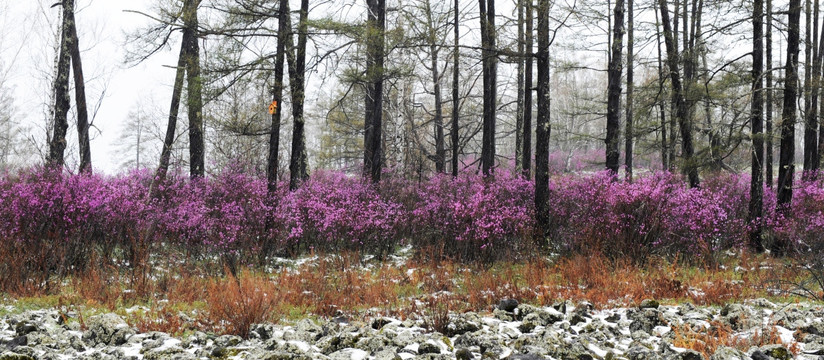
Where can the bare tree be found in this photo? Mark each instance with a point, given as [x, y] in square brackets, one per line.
[756, 183]
[375, 53]
[57, 144]
[614, 89]
[542, 131]
[681, 106]
[490, 66]
[297, 67]
[630, 88]
[786, 168]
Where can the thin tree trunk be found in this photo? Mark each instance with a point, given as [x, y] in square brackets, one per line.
[526, 153]
[487, 9]
[440, 152]
[543, 125]
[630, 88]
[273, 159]
[519, 112]
[786, 168]
[614, 90]
[171, 125]
[297, 65]
[769, 96]
[682, 111]
[57, 145]
[757, 119]
[810, 122]
[79, 89]
[455, 92]
[662, 114]
[374, 89]
[194, 89]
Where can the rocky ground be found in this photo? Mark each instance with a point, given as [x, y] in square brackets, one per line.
[511, 331]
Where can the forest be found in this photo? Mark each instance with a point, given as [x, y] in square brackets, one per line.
[418, 160]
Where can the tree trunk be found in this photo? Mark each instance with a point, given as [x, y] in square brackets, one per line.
[297, 66]
[194, 89]
[757, 120]
[542, 131]
[171, 125]
[79, 89]
[786, 167]
[614, 90]
[769, 99]
[273, 159]
[630, 88]
[57, 145]
[519, 112]
[810, 121]
[440, 152]
[487, 9]
[455, 94]
[681, 107]
[374, 88]
[527, 137]
[662, 114]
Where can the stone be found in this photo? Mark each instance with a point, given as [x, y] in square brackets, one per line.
[463, 354]
[107, 329]
[508, 305]
[728, 353]
[25, 327]
[649, 304]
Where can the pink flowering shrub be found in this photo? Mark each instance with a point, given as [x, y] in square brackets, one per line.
[333, 211]
[472, 217]
[653, 214]
[232, 217]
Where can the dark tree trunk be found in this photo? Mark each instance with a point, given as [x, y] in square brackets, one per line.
[79, 89]
[526, 153]
[194, 89]
[630, 89]
[662, 114]
[273, 159]
[757, 122]
[489, 54]
[171, 125]
[810, 120]
[57, 144]
[613, 155]
[542, 131]
[297, 66]
[519, 112]
[681, 107]
[374, 89]
[769, 99]
[786, 168]
[455, 94]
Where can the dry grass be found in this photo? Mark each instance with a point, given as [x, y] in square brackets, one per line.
[707, 340]
[336, 284]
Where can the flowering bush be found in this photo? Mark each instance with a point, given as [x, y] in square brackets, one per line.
[233, 217]
[469, 214]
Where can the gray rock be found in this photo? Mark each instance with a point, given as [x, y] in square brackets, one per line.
[728, 353]
[508, 305]
[107, 329]
[227, 341]
[648, 304]
[25, 327]
[778, 352]
[688, 355]
[463, 354]
[462, 324]
[347, 354]
[428, 348]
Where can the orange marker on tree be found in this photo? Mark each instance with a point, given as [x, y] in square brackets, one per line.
[273, 107]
